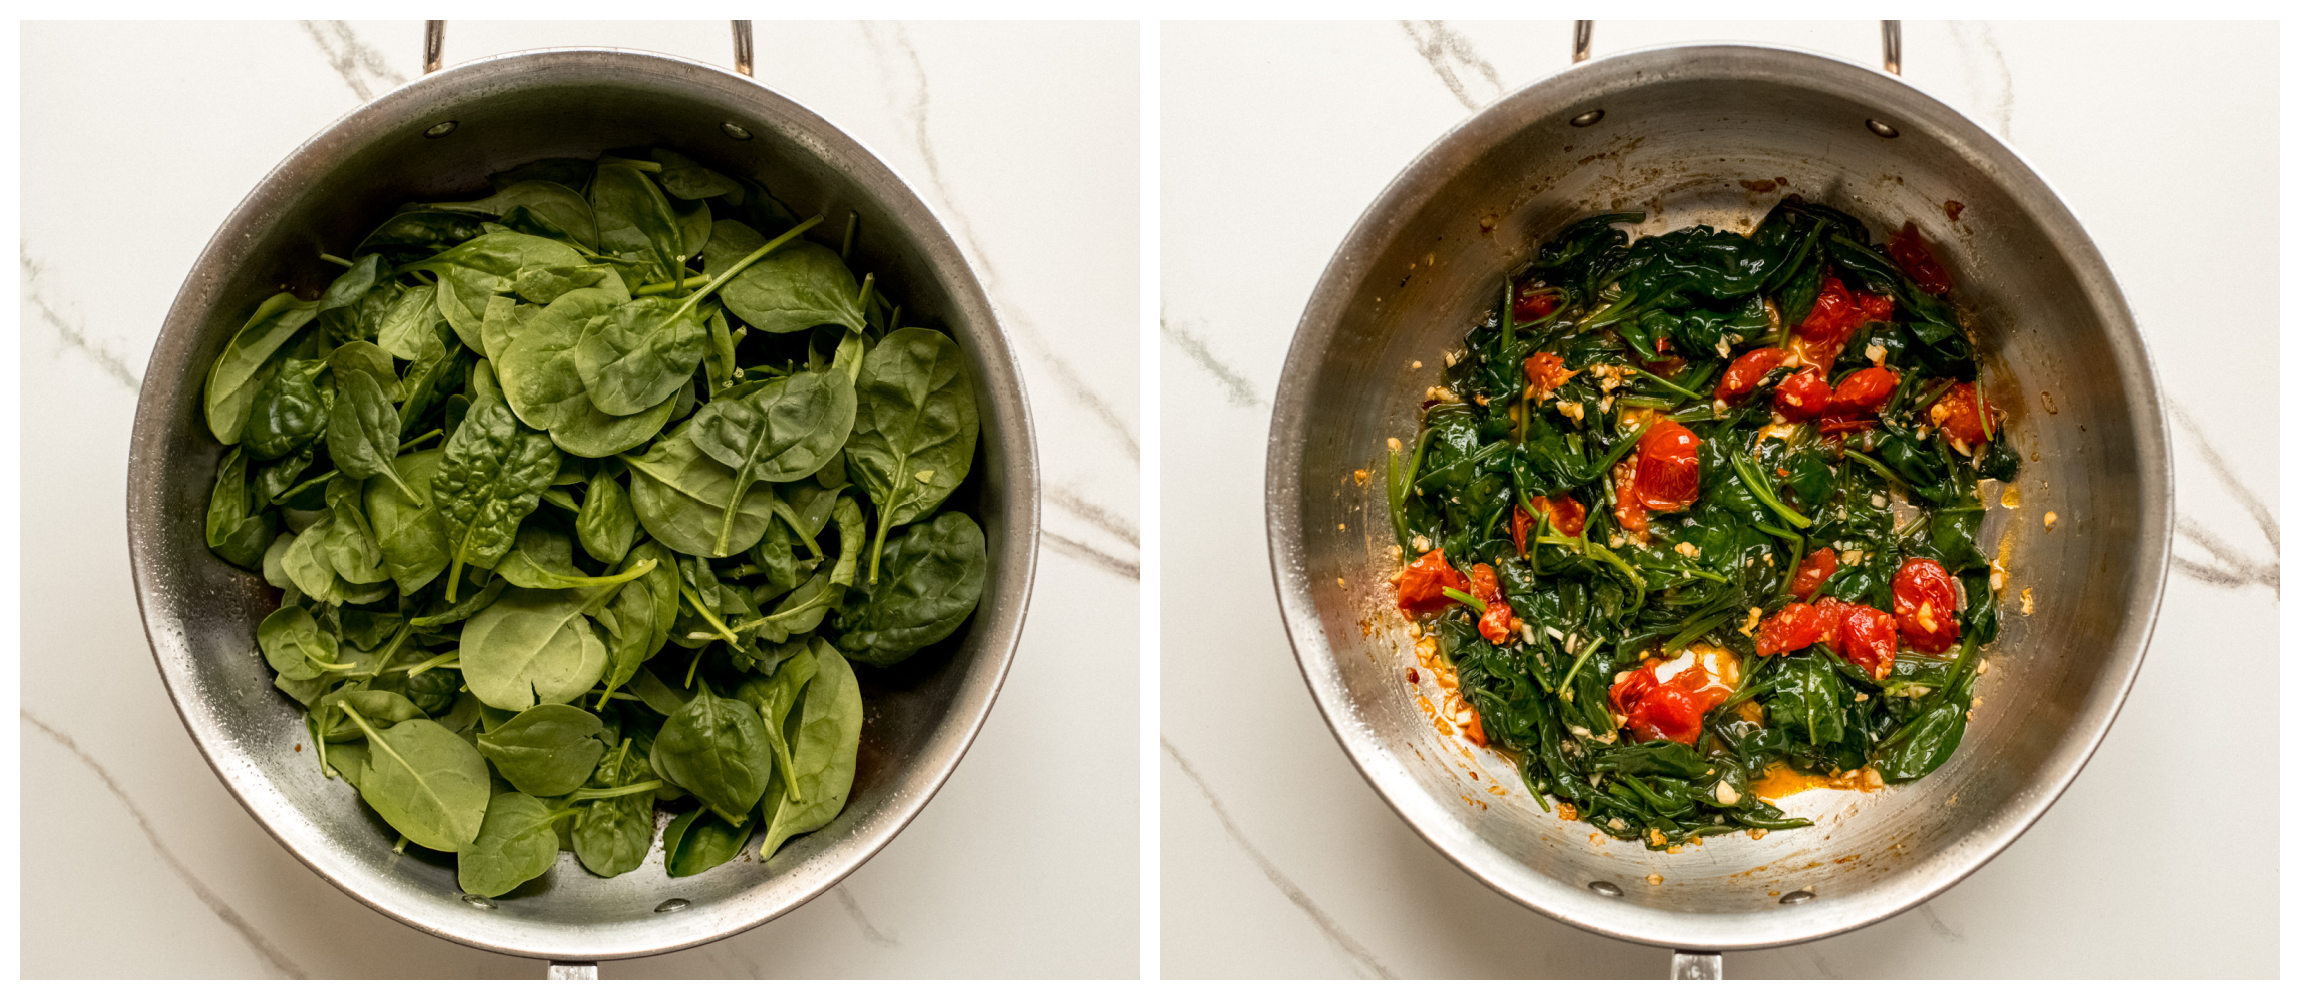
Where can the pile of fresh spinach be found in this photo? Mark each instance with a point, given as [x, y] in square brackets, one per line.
[1663, 317]
[582, 497]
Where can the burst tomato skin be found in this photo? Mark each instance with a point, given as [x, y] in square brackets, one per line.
[1421, 585]
[1670, 710]
[1499, 623]
[1532, 304]
[1545, 372]
[1925, 605]
[1862, 392]
[1812, 572]
[1743, 374]
[1668, 467]
[1802, 396]
[1958, 414]
[1837, 312]
[1831, 614]
[1916, 259]
[1869, 638]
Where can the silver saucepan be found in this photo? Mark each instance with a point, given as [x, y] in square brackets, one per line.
[1715, 134]
[441, 136]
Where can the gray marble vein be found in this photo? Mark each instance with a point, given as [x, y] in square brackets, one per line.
[870, 930]
[907, 85]
[1118, 525]
[71, 332]
[1088, 554]
[1939, 926]
[1986, 70]
[1367, 966]
[363, 69]
[264, 949]
[1240, 388]
[1449, 55]
[2232, 568]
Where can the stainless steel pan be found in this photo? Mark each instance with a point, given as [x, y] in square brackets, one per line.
[1709, 134]
[440, 136]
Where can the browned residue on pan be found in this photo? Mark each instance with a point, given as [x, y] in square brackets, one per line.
[1954, 208]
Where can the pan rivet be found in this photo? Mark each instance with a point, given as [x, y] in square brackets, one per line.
[1888, 132]
[438, 130]
[478, 901]
[1800, 896]
[1605, 888]
[1587, 118]
[734, 131]
[671, 906]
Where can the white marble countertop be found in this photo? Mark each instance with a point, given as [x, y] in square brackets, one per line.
[1278, 860]
[139, 138]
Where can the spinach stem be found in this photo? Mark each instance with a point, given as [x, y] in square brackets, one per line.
[697, 602]
[863, 301]
[1746, 468]
[589, 794]
[764, 249]
[305, 485]
[1466, 599]
[847, 242]
[691, 665]
[1665, 383]
[1880, 469]
[425, 436]
[333, 259]
[1567, 683]
[660, 287]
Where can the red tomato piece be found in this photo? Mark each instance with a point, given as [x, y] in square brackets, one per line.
[1421, 585]
[1668, 467]
[1862, 392]
[1671, 710]
[1830, 613]
[1925, 605]
[1531, 304]
[1869, 638]
[1958, 414]
[1842, 425]
[1837, 312]
[1742, 375]
[1812, 573]
[1790, 629]
[1498, 624]
[1545, 372]
[1520, 525]
[1802, 396]
[1628, 507]
[1916, 260]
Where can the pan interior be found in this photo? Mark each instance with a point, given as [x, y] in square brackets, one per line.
[1716, 136]
[201, 613]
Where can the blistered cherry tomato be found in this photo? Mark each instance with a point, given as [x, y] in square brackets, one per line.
[1742, 375]
[1802, 396]
[1837, 312]
[1812, 573]
[1862, 392]
[1498, 624]
[1925, 605]
[1670, 710]
[1790, 629]
[1564, 512]
[1829, 613]
[1869, 638]
[1916, 260]
[1421, 585]
[1668, 467]
[1533, 304]
[1958, 414]
[1545, 372]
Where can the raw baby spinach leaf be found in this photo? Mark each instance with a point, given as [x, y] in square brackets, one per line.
[533, 647]
[424, 781]
[716, 748]
[515, 845]
[547, 750]
[490, 477]
[934, 574]
[914, 430]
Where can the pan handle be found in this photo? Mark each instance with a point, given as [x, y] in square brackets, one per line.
[1697, 965]
[435, 43]
[1581, 44]
[590, 970]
